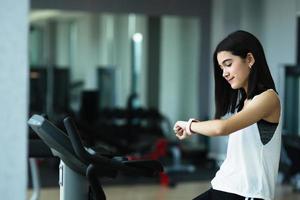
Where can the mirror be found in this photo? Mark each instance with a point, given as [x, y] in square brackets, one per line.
[76, 56]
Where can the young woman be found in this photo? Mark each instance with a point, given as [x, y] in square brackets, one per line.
[243, 87]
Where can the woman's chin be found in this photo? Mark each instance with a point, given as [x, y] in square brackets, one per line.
[233, 86]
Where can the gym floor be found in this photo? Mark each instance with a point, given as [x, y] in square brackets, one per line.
[187, 187]
[156, 192]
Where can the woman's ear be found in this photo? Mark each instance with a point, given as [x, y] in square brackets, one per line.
[250, 60]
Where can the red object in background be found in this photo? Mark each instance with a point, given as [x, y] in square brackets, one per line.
[160, 150]
[164, 179]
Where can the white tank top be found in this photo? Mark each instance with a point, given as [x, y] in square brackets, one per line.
[250, 168]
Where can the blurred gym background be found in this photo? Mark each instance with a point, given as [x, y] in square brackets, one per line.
[127, 70]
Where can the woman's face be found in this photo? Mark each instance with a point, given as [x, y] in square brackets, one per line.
[235, 69]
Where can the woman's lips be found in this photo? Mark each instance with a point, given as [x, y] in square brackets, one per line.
[230, 80]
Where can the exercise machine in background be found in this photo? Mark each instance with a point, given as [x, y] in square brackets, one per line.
[82, 168]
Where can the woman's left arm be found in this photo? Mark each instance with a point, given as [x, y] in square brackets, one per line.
[262, 106]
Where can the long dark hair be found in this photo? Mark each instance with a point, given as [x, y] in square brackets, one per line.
[240, 43]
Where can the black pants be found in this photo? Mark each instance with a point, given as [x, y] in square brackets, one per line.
[220, 195]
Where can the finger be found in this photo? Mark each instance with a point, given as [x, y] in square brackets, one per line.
[178, 128]
[174, 127]
[179, 132]
[181, 135]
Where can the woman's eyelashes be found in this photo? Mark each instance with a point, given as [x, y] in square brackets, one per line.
[225, 65]
[228, 64]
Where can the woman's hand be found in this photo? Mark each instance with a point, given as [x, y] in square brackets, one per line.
[180, 129]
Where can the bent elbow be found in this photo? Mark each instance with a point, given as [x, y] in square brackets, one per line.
[219, 132]
[221, 129]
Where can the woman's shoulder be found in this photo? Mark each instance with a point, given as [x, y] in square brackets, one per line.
[269, 94]
[266, 96]
[271, 103]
